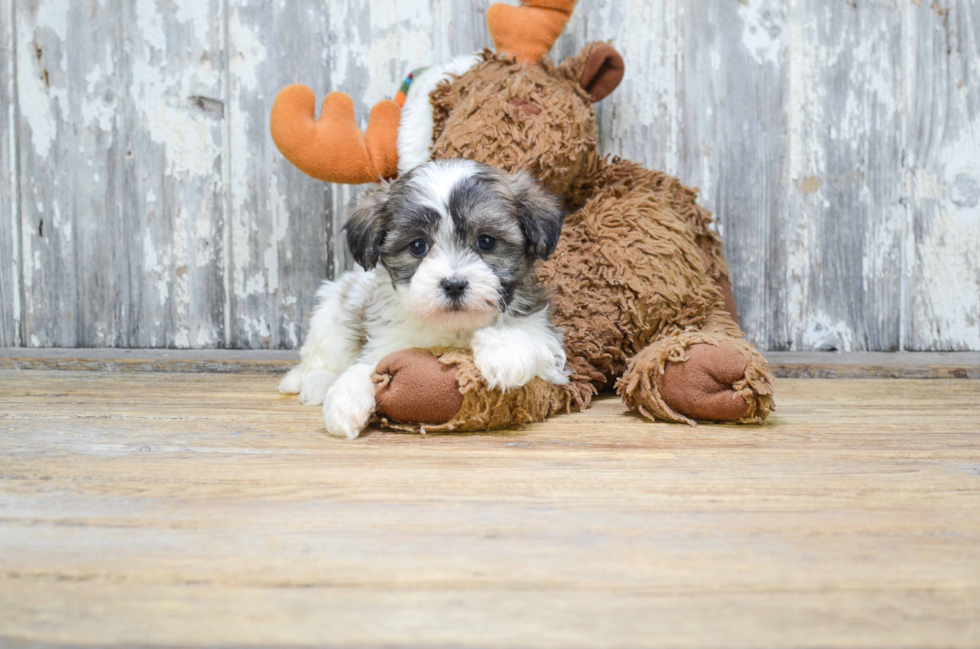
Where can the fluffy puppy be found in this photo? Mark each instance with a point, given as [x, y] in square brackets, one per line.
[448, 253]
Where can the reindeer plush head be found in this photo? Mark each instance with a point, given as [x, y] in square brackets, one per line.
[513, 109]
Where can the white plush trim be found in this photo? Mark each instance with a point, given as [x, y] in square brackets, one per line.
[417, 120]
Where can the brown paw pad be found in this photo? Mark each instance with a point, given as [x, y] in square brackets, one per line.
[701, 387]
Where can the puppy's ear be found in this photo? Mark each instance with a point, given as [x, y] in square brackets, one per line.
[366, 228]
[540, 213]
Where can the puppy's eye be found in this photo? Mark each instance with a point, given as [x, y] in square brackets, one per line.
[419, 247]
[486, 243]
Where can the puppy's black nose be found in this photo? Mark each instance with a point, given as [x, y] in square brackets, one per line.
[454, 287]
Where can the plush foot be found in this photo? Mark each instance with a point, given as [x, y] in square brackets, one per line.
[414, 387]
[702, 387]
[696, 375]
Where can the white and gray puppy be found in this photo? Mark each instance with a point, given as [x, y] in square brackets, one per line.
[448, 252]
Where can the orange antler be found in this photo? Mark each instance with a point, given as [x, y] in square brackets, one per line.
[333, 148]
[529, 31]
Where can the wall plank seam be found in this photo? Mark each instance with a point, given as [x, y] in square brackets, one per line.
[227, 199]
[909, 88]
[16, 216]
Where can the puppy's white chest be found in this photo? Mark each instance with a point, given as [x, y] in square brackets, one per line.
[389, 328]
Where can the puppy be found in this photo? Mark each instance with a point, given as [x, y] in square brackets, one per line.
[448, 253]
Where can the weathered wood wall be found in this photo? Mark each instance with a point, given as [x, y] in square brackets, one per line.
[143, 203]
[9, 214]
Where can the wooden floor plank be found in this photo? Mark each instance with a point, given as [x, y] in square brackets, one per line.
[206, 509]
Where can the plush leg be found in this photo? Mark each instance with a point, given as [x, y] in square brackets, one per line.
[442, 390]
[711, 374]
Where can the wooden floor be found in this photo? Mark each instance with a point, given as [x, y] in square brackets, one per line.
[205, 509]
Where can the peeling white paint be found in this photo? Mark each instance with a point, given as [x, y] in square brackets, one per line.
[883, 249]
[946, 281]
[206, 337]
[41, 105]
[182, 339]
[764, 30]
[54, 15]
[15, 262]
[374, 35]
[100, 105]
[248, 53]
[928, 186]
[64, 226]
[823, 333]
[196, 14]
[256, 327]
[28, 256]
[844, 110]
[798, 254]
[181, 281]
[204, 239]
[161, 91]
[246, 56]
[187, 139]
[280, 228]
[641, 120]
[153, 266]
[149, 22]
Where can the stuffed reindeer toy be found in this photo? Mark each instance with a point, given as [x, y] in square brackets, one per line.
[639, 283]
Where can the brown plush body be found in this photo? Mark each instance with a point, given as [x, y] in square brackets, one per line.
[640, 284]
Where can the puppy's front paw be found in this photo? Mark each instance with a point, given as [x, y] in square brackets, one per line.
[350, 403]
[346, 419]
[292, 383]
[504, 368]
[315, 387]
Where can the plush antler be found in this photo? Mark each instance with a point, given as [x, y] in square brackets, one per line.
[529, 31]
[333, 148]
